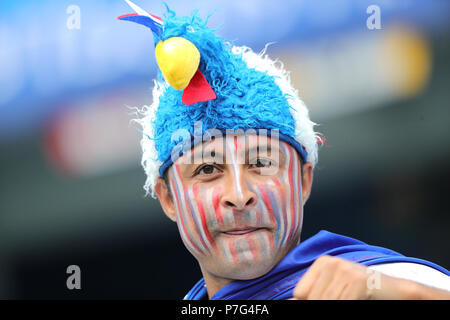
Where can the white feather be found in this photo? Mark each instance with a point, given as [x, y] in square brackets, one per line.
[138, 9]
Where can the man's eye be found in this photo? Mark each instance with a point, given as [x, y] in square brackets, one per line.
[206, 169]
[260, 163]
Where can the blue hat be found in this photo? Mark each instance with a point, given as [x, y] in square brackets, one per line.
[222, 86]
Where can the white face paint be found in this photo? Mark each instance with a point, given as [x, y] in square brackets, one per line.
[237, 222]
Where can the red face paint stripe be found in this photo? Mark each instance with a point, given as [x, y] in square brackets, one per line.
[252, 247]
[268, 204]
[238, 142]
[197, 227]
[182, 221]
[282, 196]
[271, 241]
[231, 245]
[216, 204]
[277, 182]
[202, 215]
[177, 176]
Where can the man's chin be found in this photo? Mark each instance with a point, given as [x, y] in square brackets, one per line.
[245, 270]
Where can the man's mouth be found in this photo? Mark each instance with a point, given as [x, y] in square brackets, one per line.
[242, 231]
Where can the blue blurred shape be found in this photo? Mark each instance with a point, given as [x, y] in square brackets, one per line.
[53, 51]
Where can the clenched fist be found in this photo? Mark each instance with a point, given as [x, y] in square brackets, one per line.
[332, 278]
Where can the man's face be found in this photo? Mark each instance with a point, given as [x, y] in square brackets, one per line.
[238, 211]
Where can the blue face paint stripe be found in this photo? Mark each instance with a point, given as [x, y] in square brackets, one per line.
[284, 213]
[259, 212]
[263, 246]
[276, 212]
[195, 219]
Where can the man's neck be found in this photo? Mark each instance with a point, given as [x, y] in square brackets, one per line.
[213, 283]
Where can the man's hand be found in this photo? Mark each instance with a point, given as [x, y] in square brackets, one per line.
[332, 278]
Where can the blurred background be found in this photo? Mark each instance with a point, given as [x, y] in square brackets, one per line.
[375, 75]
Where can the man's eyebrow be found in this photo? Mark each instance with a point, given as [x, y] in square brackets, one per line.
[207, 154]
[268, 148]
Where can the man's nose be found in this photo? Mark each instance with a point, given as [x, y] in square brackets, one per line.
[238, 194]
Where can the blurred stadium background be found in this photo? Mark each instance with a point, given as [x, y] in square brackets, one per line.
[70, 176]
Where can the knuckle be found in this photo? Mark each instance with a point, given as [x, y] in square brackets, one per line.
[346, 270]
[325, 260]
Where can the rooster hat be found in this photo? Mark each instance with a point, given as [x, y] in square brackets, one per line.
[203, 77]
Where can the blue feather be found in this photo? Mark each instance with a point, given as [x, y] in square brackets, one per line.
[145, 21]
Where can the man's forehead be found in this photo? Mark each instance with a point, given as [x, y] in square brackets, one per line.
[238, 142]
[236, 145]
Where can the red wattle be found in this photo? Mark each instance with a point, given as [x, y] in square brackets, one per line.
[198, 90]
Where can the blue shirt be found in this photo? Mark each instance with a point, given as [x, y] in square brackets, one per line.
[280, 282]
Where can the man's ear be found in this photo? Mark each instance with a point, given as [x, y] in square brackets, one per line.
[165, 199]
[307, 180]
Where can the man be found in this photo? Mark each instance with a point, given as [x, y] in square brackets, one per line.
[229, 150]
[240, 221]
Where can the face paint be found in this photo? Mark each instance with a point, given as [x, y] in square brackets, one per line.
[233, 150]
[203, 219]
[292, 178]
[199, 213]
[176, 185]
[196, 212]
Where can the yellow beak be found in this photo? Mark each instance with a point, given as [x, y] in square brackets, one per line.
[178, 60]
